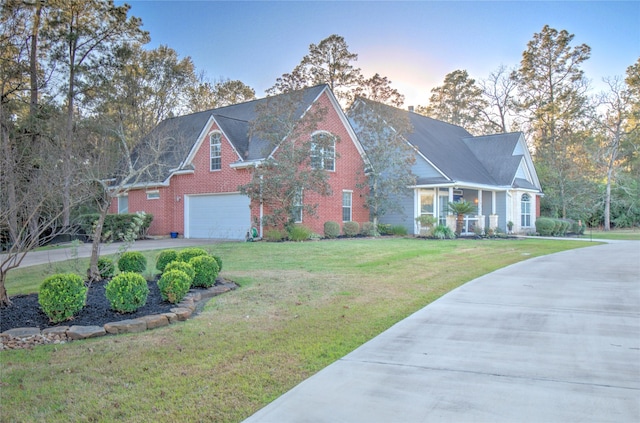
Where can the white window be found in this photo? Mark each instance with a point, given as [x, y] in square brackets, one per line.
[296, 212]
[346, 206]
[215, 150]
[323, 151]
[123, 204]
[525, 211]
[153, 195]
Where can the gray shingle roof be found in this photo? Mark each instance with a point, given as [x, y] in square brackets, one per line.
[485, 160]
[182, 133]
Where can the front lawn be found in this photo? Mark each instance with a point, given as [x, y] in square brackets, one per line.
[300, 307]
[614, 234]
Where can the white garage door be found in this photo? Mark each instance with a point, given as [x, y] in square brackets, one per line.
[224, 216]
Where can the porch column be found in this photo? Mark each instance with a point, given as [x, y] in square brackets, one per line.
[480, 213]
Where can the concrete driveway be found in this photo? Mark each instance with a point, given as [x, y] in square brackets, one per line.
[551, 339]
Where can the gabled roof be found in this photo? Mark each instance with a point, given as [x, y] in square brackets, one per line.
[184, 134]
[492, 160]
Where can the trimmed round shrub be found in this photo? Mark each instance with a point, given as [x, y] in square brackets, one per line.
[165, 257]
[368, 229]
[351, 228]
[182, 266]
[174, 285]
[132, 261]
[545, 226]
[331, 229]
[61, 296]
[127, 292]
[188, 253]
[219, 261]
[206, 268]
[106, 267]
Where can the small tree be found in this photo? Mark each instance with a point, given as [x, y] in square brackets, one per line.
[460, 208]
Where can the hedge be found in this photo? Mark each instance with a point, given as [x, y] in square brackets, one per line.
[115, 225]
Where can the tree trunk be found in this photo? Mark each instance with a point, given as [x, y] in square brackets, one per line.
[93, 273]
[607, 203]
[4, 298]
[459, 223]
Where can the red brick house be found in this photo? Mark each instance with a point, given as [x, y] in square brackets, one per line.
[208, 155]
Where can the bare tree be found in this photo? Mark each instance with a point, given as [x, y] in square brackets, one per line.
[499, 91]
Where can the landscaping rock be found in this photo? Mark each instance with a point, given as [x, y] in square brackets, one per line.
[182, 313]
[126, 326]
[57, 330]
[84, 332]
[156, 321]
[22, 332]
[173, 318]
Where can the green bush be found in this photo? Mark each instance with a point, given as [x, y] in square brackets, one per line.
[545, 226]
[188, 253]
[219, 261]
[132, 261]
[106, 267]
[398, 230]
[443, 232]
[127, 292]
[351, 228]
[206, 268]
[275, 235]
[578, 227]
[165, 257]
[115, 226]
[61, 296]
[174, 285]
[182, 266]
[368, 229]
[331, 229]
[384, 229]
[298, 232]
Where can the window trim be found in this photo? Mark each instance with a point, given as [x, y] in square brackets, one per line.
[322, 154]
[153, 195]
[348, 207]
[217, 157]
[298, 205]
[121, 202]
[525, 210]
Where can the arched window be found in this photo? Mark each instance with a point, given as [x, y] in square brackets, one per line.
[215, 150]
[323, 151]
[525, 211]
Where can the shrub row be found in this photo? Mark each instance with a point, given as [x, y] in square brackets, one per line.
[547, 226]
[184, 269]
[116, 225]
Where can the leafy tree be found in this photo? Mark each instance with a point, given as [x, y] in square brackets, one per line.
[378, 88]
[458, 101]
[382, 130]
[284, 179]
[233, 92]
[552, 97]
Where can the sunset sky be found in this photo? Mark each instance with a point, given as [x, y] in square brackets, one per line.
[413, 43]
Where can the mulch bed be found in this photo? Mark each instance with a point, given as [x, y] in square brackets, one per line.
[25, 310]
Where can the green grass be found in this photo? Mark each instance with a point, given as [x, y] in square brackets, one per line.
[300, 307]
[615, 234]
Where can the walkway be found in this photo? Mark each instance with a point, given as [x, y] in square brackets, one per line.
[551, 339]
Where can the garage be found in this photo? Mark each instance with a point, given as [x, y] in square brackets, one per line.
[222, 216]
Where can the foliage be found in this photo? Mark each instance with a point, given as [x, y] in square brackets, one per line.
[331, 229]
[127, 292]
[298, 232]
[351, 228]
[106, 267]
[164, 258]
[275, 235]
[384, 229]
[460, 208]
[183, 267]
[443, 232]
[382, 131]
[116, 226]
[398, 230]
[174, 285]
[188, 253]
[61, 296]
[132, 261]
[545, 226]
[368, 229]
[206, 269]
[218, 260]
[283, 179]
[458, 101]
